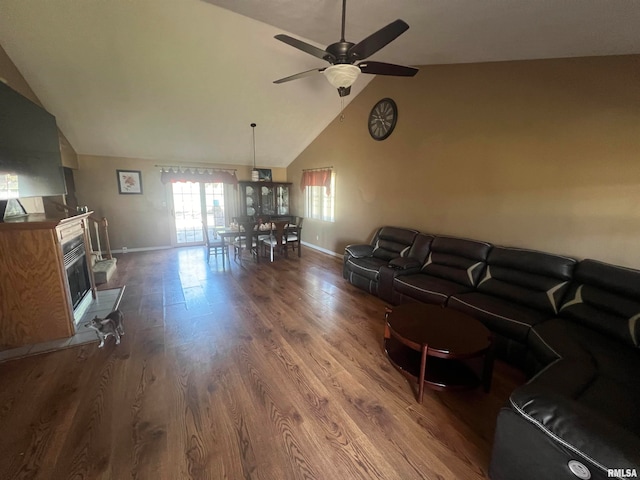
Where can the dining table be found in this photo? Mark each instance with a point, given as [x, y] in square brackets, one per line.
[232, 231]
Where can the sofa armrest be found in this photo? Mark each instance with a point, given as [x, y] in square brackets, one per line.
[397, 267]
[576, 427]
[359, 251]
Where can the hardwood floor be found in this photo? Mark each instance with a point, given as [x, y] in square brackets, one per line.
[262, 371]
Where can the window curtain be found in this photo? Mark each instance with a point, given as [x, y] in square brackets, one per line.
[231, 202]
[317, 178]
[202, 175]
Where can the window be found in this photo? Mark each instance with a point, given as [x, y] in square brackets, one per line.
[319, 204]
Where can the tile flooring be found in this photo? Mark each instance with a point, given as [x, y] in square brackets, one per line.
[106, 302]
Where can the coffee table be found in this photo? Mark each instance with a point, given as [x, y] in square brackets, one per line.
[438, 347]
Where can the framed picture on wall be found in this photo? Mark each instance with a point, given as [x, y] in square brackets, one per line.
[129, 181]
[264, 174]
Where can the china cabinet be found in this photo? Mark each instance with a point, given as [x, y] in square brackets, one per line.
[264, 198]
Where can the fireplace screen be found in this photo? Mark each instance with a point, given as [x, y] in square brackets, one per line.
[75, 263]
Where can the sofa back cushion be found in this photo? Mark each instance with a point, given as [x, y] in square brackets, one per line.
[393, 242]
[605, 298]
[535, 279]
[456, 259]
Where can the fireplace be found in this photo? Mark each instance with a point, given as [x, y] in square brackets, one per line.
[75, 264]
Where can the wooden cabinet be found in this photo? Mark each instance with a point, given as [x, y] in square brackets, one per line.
[264, 198]
[36, 304]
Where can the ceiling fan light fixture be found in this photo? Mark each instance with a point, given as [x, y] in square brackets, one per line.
[342, 75]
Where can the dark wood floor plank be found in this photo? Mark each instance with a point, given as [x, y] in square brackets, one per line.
[343, 440]
[255, 371]
[140, 402]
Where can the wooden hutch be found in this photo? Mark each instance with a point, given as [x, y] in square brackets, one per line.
[264, 198]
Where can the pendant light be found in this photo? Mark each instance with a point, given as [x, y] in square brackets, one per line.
[254, 173]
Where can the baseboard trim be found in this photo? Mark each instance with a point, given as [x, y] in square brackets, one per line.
[141, 249]
[149, 249]
[323, 250]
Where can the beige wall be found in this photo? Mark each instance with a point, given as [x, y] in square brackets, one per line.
[135, 221]
[536, 154]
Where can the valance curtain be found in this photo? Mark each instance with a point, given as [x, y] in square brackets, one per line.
[198, 175]
[317, 178]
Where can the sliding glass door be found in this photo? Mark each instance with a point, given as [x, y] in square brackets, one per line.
[196, 206]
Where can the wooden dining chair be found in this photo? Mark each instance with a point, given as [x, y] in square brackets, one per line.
[245, 240]
[276, 239]
[294, 233]
[214, 244]
[242, 219]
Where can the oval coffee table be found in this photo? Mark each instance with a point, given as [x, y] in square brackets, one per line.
[436, 346]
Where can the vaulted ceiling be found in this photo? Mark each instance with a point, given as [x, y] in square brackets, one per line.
[181, 80]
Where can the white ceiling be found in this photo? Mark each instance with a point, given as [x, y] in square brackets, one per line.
[181, 80]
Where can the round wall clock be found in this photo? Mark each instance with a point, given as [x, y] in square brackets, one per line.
[383, 118]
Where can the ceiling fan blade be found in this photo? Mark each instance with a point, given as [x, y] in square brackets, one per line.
[380, 68]
[377, 40]
[308, 73]
[305, 47]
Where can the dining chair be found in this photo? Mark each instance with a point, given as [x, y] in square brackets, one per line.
[245, 240]
[242, 219]
[264, 227]
[214, 244]
[294, 233]
[276, 239]
[262, 219]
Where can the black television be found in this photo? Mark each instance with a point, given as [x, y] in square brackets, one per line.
[30, 161]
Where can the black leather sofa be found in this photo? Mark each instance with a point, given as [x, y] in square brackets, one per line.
[573, 326]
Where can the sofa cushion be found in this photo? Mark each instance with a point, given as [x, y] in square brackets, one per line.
[551, 340]
[593, 372]
[534, 279]
[392, 242]
[606, 356]
[605, 298]
[457, 260]
[426, 288]
[510, 319]
[367, 267]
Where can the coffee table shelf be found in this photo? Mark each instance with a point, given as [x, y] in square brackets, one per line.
[441, 374]
[438, 347]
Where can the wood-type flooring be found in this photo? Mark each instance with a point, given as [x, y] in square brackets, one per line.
[259, 371]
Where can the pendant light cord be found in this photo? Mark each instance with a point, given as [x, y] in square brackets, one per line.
[253, 128]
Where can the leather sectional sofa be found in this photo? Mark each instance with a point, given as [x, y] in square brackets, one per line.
[573, 326]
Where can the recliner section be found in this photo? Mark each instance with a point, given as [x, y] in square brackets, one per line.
[519, 288]
[585, 400]
[452, 265]
[362, 263]
[574, 326]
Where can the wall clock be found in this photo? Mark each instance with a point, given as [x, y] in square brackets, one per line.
[383, 118]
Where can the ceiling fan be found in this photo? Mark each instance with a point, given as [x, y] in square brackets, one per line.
[343, 56]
